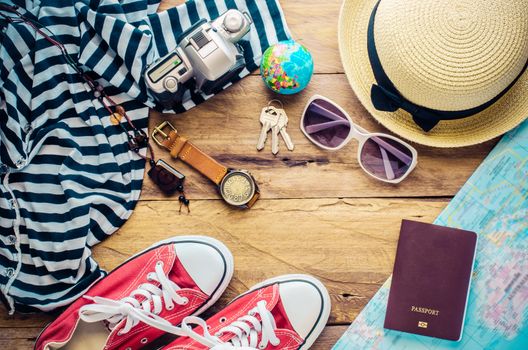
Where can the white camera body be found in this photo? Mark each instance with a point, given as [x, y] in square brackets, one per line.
[207, 56]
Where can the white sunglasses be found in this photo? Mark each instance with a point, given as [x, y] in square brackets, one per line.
[382, 156]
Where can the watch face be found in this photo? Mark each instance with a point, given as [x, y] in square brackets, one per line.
[237, 188]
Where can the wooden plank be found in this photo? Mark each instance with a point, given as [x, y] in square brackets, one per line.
[329, 337]
[347, 243]
[228, 130]
[19, 343]
[28, 333]
[312, 25]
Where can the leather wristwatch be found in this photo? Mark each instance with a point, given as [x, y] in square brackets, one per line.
[237, 187]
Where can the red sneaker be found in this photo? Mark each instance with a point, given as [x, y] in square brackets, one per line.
[287, 312]
[173, 279]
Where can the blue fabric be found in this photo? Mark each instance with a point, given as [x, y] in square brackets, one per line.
[67, 177]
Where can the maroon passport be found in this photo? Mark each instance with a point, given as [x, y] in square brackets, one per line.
[430, 281]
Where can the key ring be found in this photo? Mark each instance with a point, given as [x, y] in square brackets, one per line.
[275, 100]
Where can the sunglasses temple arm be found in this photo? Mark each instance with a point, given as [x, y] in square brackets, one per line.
[396, 152]
[312, 129]
[324, 112]
[386, 164]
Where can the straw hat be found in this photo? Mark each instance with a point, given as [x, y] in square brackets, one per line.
[413, 62]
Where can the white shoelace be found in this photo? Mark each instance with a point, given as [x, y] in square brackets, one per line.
[113, 311]
[246, 330]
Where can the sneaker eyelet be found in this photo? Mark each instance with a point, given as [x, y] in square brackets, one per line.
[119, 333]
[222, 320]
[252, 313]
[149, 277]
[262, 346]
[144, 341]
[209, 327]
[170, 307]
[159, 263]
[185, 301]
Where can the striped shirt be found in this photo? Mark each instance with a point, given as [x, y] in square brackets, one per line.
[67, 177]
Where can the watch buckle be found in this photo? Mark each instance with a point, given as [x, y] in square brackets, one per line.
[159, 135]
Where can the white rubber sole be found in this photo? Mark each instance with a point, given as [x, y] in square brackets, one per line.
[224, 251]
[327, 304]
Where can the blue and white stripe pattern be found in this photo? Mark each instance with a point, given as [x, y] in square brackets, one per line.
[67, 177]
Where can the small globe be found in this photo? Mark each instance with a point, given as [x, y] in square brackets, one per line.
[286, 67]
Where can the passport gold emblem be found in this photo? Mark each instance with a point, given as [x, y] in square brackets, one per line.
[422, 324]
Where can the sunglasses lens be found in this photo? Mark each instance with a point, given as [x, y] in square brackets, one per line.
[385, 158]
[326, 124]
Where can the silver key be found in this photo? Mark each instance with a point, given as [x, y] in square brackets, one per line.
[275, 137]
[268, 118]
[283, 124]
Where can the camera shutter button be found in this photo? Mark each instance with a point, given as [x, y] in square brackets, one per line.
[171, 84]
[233, 22]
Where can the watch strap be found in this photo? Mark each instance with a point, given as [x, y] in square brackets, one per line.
[180, 147]
[253, 200]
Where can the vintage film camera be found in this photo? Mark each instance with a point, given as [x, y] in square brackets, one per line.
[207, 58]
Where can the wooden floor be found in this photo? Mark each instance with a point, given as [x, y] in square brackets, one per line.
[319, 213]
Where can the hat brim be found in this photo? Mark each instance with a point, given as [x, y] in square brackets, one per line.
[509, 111]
